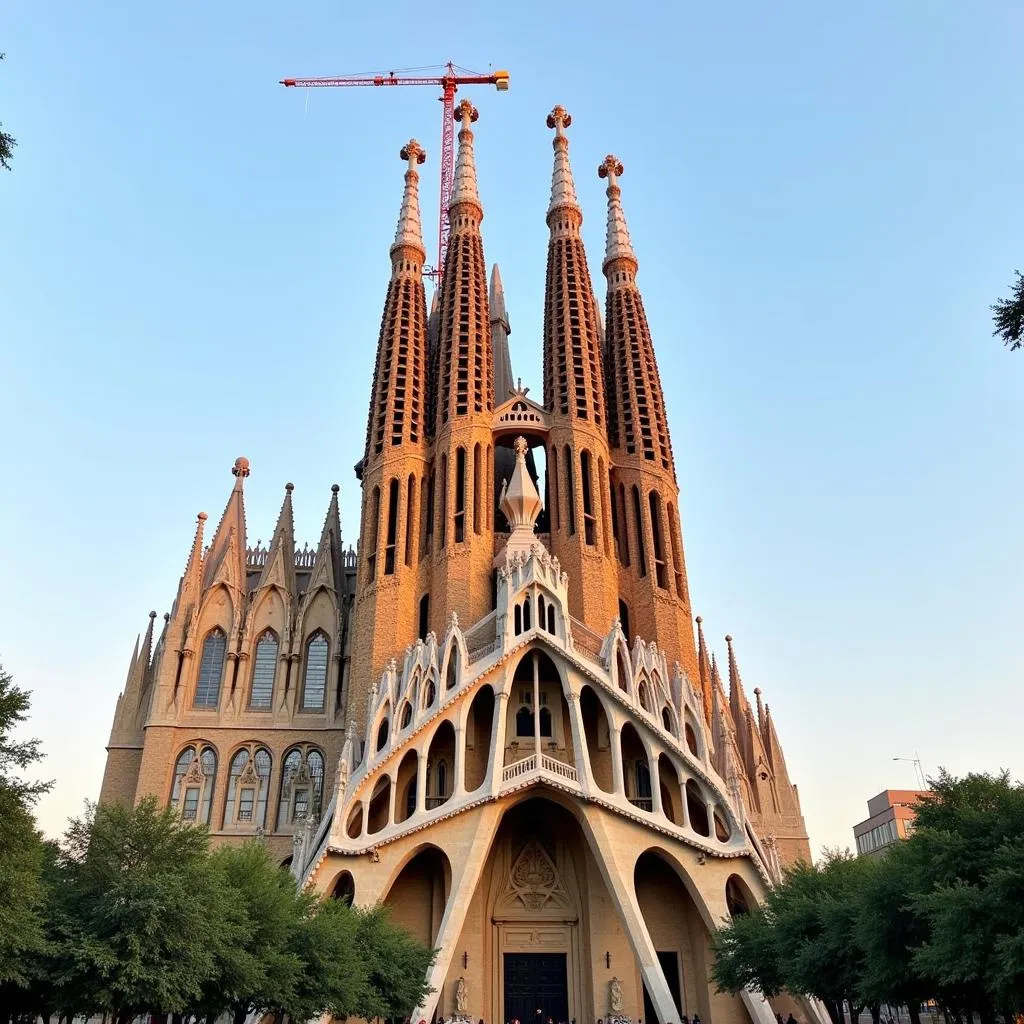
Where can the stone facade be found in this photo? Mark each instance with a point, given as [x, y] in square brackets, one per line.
[496, 717]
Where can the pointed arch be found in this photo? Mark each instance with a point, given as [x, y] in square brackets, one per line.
[211, 669]
[314, 677]
[405, 716]
[697, 809]
[623, 668]
[264, 671]
[383, 729]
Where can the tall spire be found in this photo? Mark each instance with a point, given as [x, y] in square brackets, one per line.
[636, 405]
[704, 669]
[573, 371]
[563, 188]
[500, 330]
[398, 407]
[617, 243]
[465, 383]
[409, 233]
[225, 561]
[280, 565]
[464, 188]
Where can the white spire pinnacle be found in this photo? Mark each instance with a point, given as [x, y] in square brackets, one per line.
[563, 190]
[617, 243]
[410, 231]
[520, 503]
[464, 188]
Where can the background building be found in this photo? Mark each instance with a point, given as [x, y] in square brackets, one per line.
[890, 818]
[496, 716]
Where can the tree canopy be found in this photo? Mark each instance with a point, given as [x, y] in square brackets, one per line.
[1008, 315]
[7, 142]
[940, 915]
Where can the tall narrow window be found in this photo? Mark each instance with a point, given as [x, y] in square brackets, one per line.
[478, 488]
[315, 764]
[638, 518]
[289, 773]
[624, 618]
[392, 529]
[264, 667]
[527, 605]
[660, 569]
[625, 523]
[243, 814]
[545, 722]
[616, 534]
[424, 616]
[410, 518]
[589, 523]
[643, 783]
[314, 685]
[442, 515]
[181, 766]
[428, 515]
[570, 491]
[211, 669]
[541, 612]
[208, 763]
[460, 495]
[263, 763]
[372, 523]
[677, 552]
[603, 500]
[551, 474]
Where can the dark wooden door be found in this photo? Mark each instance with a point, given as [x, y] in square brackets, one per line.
[536, 981]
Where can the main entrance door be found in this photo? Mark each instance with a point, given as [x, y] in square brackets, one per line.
[536, 981]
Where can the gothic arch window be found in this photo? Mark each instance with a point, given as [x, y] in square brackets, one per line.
[527, 605]
[314, 684]
[541, 612]
[545, 722]
[302, 784]
[194, 779]
[624, 673]
[264, 668]
[691, 739]
[391, 533]
[382, 734]
[570, 492]
[524, 721]
[248, 782]
[406, 719]
[645, 697]
[460, 495]
[441, 781]
[430, 694]
[410, 517]
[589, 520]
[451, 677]
[211, 669]
[551, 618]
[666, 719]
[517, 616]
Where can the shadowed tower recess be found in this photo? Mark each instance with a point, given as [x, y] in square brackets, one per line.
[394, 466]
[577, 467]
[645, 496]
[461, 538]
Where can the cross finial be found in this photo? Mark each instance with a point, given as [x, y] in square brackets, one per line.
[610, 168]
[559, 119]
[466, 113]
[414, 153]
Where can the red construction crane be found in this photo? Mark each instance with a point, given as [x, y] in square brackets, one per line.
[449, 80]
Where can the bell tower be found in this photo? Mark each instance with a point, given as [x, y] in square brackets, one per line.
[394, 466]
[462, 536]
[645, 496]
[577, 456]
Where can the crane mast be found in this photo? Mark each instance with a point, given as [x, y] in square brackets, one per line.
[449, 82]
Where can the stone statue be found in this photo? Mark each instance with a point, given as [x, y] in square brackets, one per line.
[461, 997]
[615, 995]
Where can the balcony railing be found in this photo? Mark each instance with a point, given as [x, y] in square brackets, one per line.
[645, 803]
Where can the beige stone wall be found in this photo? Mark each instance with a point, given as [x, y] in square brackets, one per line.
[121, 775]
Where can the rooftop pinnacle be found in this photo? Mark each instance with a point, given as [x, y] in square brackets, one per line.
[410, 232]
[464, 188]
[617, 243]
[563, 190]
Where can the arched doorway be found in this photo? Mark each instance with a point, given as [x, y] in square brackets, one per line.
[595, 729]
[671, 793]
[441, 765]
[636, 769]
[418, 894]
[344, 888]
[478, 737]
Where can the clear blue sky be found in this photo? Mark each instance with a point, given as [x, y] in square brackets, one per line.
[824, 200]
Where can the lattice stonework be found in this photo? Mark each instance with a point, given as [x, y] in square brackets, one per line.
[397, 414]
[466, 378]
[573, 376]
[637, 419]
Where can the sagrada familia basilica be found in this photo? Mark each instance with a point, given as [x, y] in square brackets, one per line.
[496, 714]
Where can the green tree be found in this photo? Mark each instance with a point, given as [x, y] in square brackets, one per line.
[265, 971]
[394, 967]
[1008, 315]
[142, 919]
[803, 938]
[7, 142]
[21, 851]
